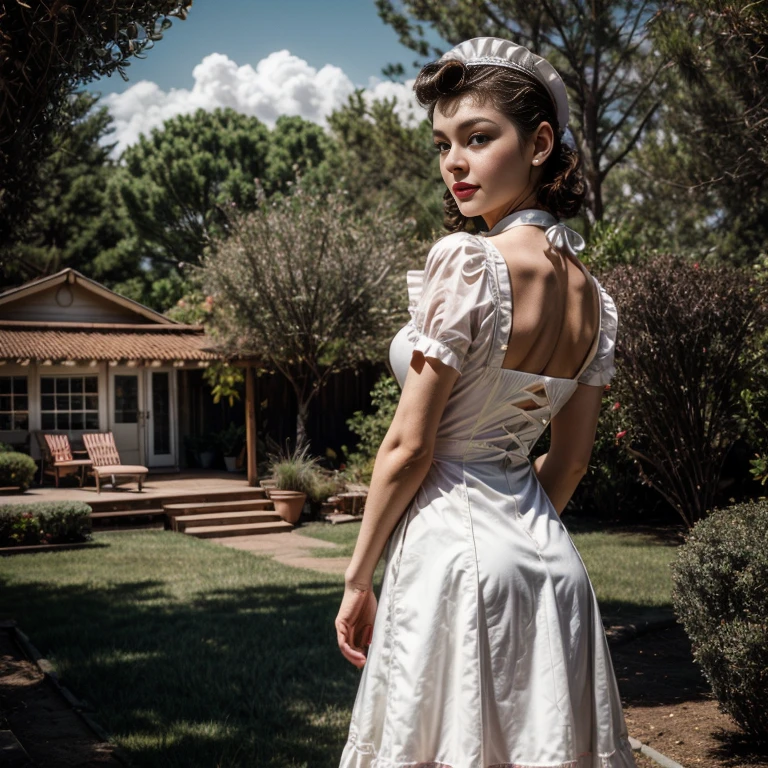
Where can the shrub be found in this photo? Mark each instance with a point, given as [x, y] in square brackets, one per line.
[371, 429]
[720, 595]
[44, 522]
[16, 470]
[688, 344]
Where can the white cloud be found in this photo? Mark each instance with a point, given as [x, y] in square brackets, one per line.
[281, 84]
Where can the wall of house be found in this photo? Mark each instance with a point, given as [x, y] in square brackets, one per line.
[69, 303]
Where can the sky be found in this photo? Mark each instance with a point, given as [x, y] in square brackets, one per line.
[265, 59]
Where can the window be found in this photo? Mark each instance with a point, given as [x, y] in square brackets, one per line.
[14, 403]
[69, 402]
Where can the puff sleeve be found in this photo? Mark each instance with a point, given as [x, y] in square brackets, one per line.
[602, 368]
[454, 295]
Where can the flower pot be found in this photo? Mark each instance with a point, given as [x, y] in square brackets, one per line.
[288, 504]
[231, 463]
[206, 459]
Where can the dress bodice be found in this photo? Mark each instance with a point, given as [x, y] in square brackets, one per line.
[460, 308]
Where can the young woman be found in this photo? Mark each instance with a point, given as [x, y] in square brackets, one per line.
[486, 648]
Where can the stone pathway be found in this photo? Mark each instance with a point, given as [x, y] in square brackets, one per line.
[289, 548]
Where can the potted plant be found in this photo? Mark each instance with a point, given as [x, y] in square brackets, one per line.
[202, 449]
[295, 476]
[231, 441]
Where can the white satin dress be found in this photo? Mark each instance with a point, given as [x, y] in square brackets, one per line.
[488, 649]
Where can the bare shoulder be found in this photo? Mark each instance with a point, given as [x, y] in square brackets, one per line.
[525, 251]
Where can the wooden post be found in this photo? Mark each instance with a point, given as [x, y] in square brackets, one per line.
[250, 424]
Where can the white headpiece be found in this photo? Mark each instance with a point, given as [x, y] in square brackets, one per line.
[504, 53]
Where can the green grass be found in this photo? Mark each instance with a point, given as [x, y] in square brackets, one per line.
[193, 654]
[343, 534]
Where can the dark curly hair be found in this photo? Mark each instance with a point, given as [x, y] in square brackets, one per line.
[527, 103]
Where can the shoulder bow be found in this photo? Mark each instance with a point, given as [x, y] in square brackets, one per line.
[562, 236]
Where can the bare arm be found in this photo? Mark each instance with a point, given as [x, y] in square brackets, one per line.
[561, 469]
[402, 462]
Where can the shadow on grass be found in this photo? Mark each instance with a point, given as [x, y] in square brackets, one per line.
[236, 677]
[195, 655]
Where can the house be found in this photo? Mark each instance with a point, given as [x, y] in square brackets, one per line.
[76, 357]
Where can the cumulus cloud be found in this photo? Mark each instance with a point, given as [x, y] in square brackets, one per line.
[281, 84]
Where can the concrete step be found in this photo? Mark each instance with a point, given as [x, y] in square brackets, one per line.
[194, 508]
[244, 529]
[181, 522]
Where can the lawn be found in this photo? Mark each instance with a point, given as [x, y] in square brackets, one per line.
[197, 655]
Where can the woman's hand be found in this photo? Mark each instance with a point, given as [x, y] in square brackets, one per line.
[354, 623]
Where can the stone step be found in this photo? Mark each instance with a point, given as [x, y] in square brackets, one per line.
[180, 522]
[193, 508]
[244, 529]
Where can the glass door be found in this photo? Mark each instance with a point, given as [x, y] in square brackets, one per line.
[126, 414]
[161, 418]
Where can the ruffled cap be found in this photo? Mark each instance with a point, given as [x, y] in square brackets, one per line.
[505, 53]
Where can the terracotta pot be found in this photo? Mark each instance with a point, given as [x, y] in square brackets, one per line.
[288, 504]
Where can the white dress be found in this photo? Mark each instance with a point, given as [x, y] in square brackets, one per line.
[488, 649]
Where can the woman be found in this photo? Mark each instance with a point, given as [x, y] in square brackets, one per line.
[486, 648]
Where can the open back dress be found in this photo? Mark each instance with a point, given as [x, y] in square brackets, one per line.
[488, 648]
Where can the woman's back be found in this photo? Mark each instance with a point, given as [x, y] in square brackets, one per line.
[556, 306]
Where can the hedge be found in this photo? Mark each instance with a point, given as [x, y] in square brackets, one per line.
[44, 522]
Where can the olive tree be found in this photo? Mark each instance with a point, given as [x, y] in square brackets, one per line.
[308, 285]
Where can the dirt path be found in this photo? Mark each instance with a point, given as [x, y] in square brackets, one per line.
[41, 720]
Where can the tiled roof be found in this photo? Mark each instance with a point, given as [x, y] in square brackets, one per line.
[78, 344]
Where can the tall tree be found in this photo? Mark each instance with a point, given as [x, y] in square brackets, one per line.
[702, 177]
[178, 182]
[47, 49]
[601, 50]
[383, 157]
[73, 222]
[308, 285]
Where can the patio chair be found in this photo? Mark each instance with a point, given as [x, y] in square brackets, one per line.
[103, 454]
[57, 458]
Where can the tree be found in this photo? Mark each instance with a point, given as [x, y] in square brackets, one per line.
[382, 157]
[46, 50]
[72, 222]
[178, 183]
[601, 51]
[700, 180]
[308, 285]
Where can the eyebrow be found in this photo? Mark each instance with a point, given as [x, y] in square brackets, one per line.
[466, 124]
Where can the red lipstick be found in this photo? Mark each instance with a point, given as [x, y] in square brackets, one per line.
[463, 190]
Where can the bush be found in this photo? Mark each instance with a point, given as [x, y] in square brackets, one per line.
[45, 522]
[720, 595]
[371, 429]
[16, 470]
[690, 341]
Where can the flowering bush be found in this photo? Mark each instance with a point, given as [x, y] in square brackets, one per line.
[56, 522]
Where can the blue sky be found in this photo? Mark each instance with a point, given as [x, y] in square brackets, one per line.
[347, 33]
[263, 58]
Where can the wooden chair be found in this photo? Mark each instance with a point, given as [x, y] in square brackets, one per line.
[57, 458]
[105, 459]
